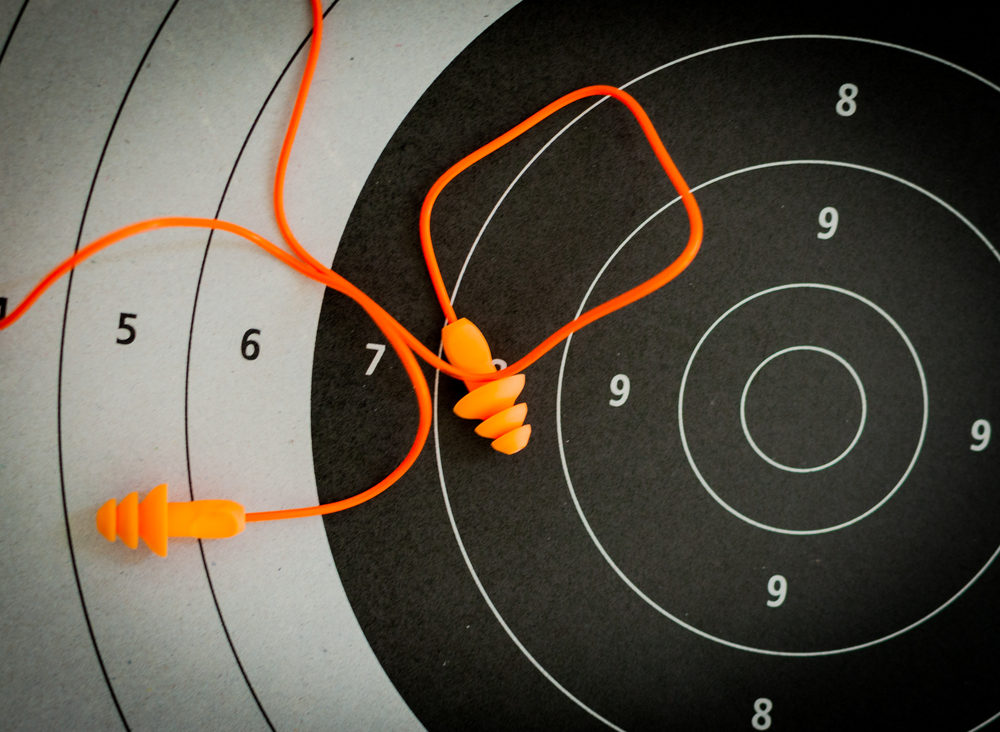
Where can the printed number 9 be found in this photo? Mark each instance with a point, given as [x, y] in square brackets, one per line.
[777, 587]
[620, 387]
[980, 432]
[828, 219]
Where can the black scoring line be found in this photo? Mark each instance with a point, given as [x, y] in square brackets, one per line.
[13, 27]
[187, 367]
[62, 353]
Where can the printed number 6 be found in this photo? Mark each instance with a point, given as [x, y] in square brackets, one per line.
[249, 347]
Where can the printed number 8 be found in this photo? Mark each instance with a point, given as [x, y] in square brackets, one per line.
[762, 718]
[846, 106]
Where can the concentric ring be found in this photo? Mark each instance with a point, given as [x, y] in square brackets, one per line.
[497, 611]
[882, 314]
[861, 422]
[713, 491]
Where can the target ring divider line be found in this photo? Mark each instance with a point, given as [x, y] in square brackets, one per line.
[861, 423]
[906, 473]
[559, 432]
[478, 581]
[466, 266]
[561, 440]
[649, 600]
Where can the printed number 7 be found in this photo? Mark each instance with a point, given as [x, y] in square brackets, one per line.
[379, 349]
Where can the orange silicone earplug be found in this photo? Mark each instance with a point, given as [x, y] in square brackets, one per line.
[489, 401]
[154, 519]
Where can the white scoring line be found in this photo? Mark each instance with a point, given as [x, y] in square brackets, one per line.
[818, 37]
[510, 187]
[861, 423]
[736, 44]
[479, 584]
[923, 424]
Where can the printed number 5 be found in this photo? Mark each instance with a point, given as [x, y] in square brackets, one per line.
[122, 325]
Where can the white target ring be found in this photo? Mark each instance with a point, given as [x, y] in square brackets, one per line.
[458, 535]
[713, 490]
[861, 422]
[628, 581]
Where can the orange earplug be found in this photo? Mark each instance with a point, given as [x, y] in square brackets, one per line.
[154, 519]
[489, 401]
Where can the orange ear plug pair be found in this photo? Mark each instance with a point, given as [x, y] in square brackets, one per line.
[155, 519]
[490, 401]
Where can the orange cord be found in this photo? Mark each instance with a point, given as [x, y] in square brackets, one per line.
[406, 345]
[615, 303]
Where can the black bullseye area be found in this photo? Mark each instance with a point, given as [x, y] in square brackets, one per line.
[752, 482]
[695, 495]
[640, 565]
[803, 410]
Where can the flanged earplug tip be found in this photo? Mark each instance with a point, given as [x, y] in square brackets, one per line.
[489, 401]
[513, 441]
[155, 519]
[106, 520]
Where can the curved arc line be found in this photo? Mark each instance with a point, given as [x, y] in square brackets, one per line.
[853, 166]
[723, 47]
[514, 181]
[693, 189]
[62, 356]
[187, 364]
[589, 529]
[13, 29]
[819, 37]
[482, 589]
[986, 723]
[920, 441]
[861, 424]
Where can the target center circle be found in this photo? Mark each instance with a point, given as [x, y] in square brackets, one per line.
[802, 404]
[756, 298]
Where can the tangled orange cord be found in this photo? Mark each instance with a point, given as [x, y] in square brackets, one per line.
[154, 519]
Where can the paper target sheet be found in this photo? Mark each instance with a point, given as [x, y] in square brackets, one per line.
[763, 497]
